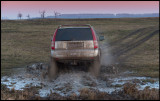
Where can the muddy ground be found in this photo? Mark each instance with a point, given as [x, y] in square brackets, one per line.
[75, 83]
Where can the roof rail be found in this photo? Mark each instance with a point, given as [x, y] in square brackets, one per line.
[75, 25]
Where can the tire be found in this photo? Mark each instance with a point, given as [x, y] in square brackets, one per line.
[53, 69]
[95, 66]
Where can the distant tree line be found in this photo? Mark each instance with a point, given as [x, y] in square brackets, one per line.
[42, 14]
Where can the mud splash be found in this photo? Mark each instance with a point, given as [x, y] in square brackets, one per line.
[106, 57]
[70, 82]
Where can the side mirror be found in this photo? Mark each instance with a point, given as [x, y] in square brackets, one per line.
[101, 38]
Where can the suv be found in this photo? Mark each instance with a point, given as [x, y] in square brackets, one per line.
[75, 45]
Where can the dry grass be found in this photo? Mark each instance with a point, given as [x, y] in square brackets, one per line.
[27, 93]
[86, 94]
[129, 92]
[146, 94]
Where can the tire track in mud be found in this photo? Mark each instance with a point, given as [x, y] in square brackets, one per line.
[127, 36]
[119, 52]
[133, 45]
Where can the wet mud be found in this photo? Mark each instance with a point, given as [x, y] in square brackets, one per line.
[69, 82]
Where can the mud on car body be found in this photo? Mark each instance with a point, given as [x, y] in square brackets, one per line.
[75, 45]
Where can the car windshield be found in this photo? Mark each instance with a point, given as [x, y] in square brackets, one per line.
[74, 34]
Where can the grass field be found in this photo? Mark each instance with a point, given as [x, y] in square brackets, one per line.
[133, 41]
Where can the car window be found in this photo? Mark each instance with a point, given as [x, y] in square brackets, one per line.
[74, 34]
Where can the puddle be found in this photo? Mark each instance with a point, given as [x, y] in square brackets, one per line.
[68, 83]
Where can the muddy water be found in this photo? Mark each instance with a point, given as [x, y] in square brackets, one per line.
[69, 82]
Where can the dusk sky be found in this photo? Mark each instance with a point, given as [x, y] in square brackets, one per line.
[10, 9]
